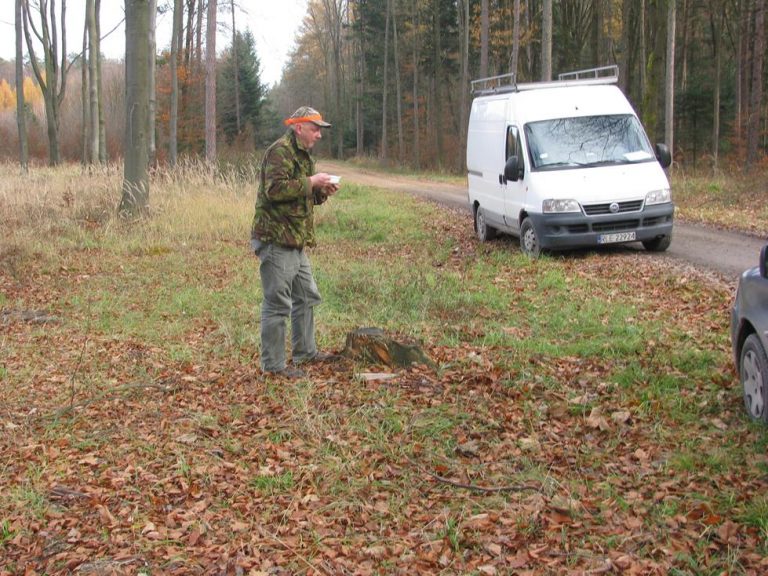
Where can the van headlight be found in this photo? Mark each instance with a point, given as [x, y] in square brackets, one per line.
[556, 205]
[658, 197]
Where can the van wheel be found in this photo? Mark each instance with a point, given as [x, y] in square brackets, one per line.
[529, 242]
[659, 244]
[484, 231]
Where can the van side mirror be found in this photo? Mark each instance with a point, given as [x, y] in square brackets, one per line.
[512, 169]
[663, 155]
[764, 261]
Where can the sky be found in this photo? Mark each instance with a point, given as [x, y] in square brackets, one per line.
[273, 23]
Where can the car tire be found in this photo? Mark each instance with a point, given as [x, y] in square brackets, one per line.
[484, 231]
[529, 241]
[659, 244]
[753, 374]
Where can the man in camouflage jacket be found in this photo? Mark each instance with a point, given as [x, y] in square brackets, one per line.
[283, 226]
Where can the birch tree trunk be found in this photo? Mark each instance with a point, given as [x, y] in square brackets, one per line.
[135, 196]
[210, 84]
[21, 117]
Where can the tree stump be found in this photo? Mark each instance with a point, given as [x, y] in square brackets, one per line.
[374, 345]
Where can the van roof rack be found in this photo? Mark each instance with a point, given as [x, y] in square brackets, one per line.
[495, 84]
[508, 82]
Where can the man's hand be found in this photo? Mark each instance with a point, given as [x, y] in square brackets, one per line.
[322, 181]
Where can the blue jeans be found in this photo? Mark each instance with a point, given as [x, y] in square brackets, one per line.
[289, 290]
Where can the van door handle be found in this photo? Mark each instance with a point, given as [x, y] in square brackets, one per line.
[501, 179]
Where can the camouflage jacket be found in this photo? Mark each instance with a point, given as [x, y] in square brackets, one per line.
[285, 202]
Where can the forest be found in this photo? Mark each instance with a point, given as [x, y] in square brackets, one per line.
[393, 75]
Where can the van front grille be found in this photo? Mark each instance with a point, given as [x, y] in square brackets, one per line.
[601, 209]
[615, 226]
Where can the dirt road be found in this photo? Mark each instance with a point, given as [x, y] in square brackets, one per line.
[724, 253]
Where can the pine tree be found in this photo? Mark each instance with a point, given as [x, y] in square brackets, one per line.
[252, 92]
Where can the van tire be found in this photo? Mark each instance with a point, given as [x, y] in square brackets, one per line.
[659, 244]
[484, 231]
[529, 242]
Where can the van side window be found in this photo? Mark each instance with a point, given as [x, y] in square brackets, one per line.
[513, 144]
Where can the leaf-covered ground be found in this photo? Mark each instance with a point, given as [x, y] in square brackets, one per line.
[584, 417]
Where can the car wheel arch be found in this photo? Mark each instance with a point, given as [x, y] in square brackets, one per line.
[744, 331]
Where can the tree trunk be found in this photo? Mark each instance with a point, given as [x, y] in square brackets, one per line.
[437, 107]
[546, 41]
[464, 25]
[685, 39]
[99, 90]
[238, 123]
[669, 91]
[624, 64]
[484, 39]
[515, 40]
[84, 99]
[152, 83]
[93, 94]
[199, 35]
[135, 196]
[176, 38]
[360, 87]
[398, 97]
[52, 81]
[21, 117]
[643, 51]
[756, 91]
[716, 15]
[416, 128]
[210, 84]
[385, 86]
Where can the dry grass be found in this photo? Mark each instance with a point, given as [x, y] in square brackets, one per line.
[731, 200]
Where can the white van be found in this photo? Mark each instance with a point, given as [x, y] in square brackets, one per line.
[565, 164]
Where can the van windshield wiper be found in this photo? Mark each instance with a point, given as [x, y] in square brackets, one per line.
[560, 164]
[609, 162]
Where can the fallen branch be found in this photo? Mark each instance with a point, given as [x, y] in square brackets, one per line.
[491, 489]
[477, 488]
[110, 393]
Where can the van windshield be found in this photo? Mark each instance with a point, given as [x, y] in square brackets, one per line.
[587, 141]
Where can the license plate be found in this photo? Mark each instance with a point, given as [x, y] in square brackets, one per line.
[617, 237]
